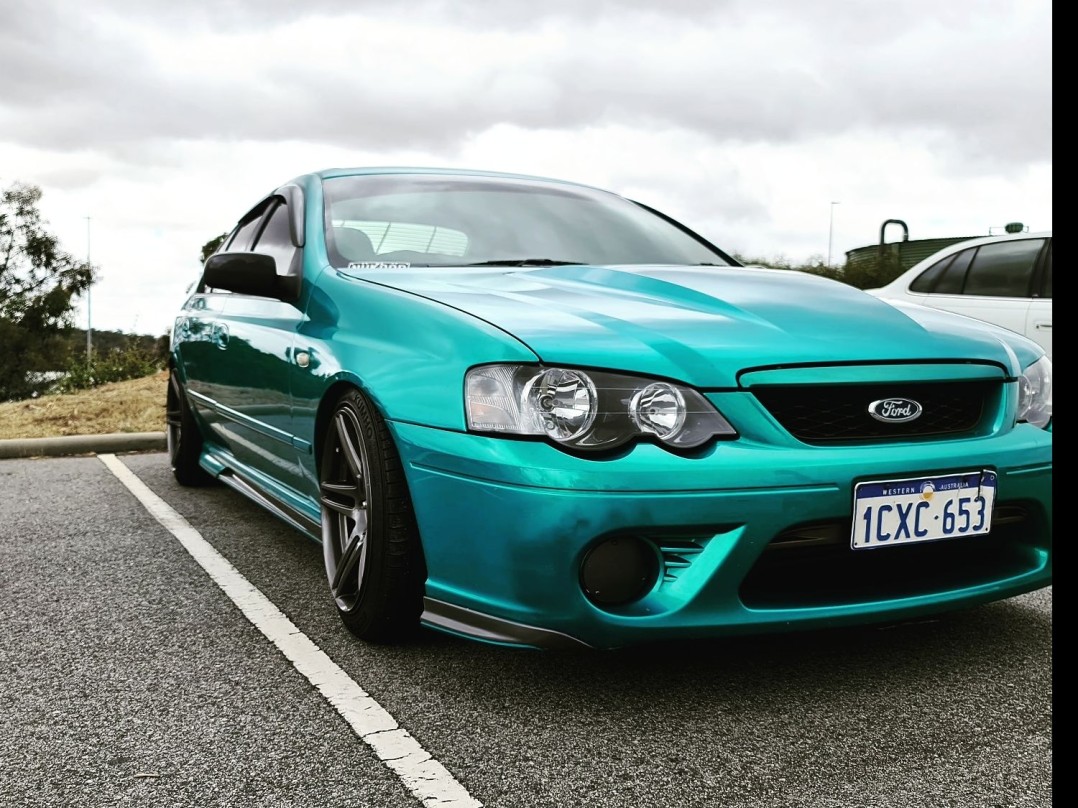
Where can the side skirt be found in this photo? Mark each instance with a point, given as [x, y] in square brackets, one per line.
[312, 529]
[227, 474]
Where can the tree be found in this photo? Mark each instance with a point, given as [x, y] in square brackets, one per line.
[38, 284]
[871, 272]
[211, 246]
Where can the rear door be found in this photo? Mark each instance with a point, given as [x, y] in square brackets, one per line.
[1039, 320]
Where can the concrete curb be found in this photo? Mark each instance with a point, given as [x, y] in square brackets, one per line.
[83, 444]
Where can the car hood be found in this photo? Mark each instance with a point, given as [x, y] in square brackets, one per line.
[702, 325]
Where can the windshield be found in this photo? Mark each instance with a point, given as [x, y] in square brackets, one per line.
[435, 220]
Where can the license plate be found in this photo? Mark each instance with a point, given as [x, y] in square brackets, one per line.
[891, 512]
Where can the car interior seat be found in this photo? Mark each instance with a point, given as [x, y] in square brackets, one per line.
[351, 245]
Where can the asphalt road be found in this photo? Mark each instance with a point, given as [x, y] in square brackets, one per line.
[127, 677]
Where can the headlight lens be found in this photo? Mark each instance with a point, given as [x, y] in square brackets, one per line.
[588, 410]
[659, 409]
[1035, 393]
[560, 403]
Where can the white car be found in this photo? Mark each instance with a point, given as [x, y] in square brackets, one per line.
[1005, 280]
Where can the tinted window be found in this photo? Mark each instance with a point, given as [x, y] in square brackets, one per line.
[241, 239]
[1003, 269]
[276, 239]
[926, 281]
[1046, 279]
[454, 221]
[946, 277]
[224, 245]
[950, 282]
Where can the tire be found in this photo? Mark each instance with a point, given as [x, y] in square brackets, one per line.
[183, 438]
[374, 560]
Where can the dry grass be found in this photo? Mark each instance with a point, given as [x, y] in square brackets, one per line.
[136, 405]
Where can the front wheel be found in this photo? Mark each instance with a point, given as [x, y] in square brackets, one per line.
[374, 562]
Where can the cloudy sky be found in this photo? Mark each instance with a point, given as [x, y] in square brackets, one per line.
[164, 121]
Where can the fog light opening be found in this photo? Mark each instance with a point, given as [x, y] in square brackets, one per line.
[619, 570]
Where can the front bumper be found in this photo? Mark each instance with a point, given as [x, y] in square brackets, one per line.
[506, 524]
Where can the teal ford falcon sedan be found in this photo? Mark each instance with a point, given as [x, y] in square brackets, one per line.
[535, 413]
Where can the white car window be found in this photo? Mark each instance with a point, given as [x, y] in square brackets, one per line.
[1004, 269]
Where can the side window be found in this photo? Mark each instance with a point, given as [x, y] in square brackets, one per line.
[950, 283]
[241, 238]
[945, 277]
[926, 281]
[224, 245]
[276, 240]
[1004, 269]
[1046, 278]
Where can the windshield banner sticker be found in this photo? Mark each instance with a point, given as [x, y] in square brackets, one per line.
[379, 265]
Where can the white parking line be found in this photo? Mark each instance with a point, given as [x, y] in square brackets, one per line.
[424, 776]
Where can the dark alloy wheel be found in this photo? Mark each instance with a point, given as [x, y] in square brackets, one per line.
[183, 438]
[374, 562]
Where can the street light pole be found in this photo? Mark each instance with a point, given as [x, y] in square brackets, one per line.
[89, 322]
[831, 232]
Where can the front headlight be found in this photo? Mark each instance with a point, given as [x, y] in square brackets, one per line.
[588, 410]
[1035, 393]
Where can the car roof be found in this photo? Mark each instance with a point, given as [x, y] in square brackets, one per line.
[1007, 237]
[328, 173]
[977, 241]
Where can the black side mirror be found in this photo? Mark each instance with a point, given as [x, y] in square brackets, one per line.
[249, 273]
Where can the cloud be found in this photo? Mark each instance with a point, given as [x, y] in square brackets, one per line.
[744, 118]
[383, 79]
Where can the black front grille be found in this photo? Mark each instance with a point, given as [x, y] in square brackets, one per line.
[820, 414]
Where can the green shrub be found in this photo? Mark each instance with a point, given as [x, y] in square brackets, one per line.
[131, 362]
[864, 273]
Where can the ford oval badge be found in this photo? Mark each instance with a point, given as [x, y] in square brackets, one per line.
[894, 410]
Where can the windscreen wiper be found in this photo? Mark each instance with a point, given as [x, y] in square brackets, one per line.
[524, 262]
